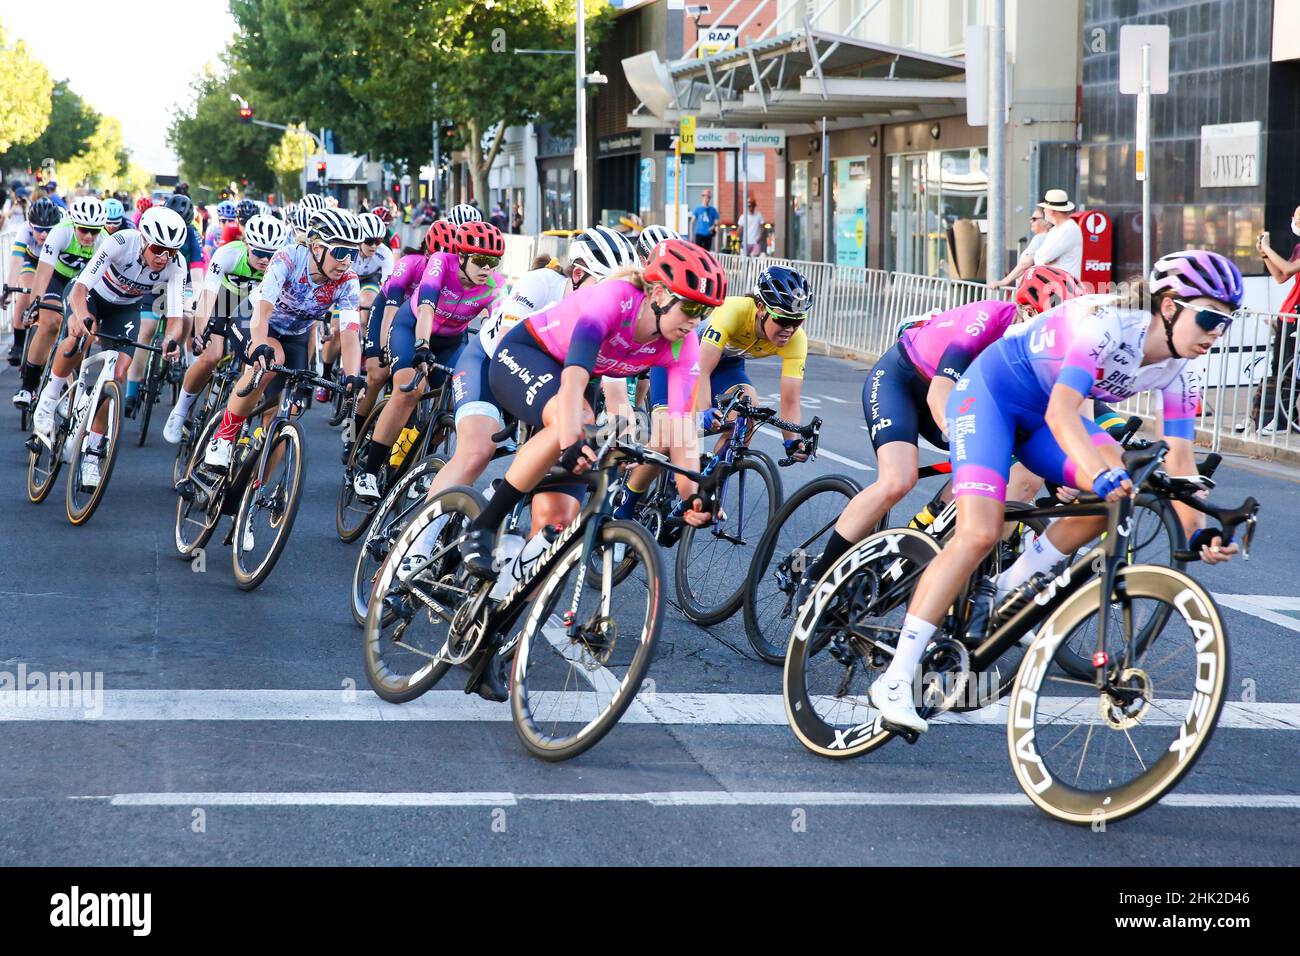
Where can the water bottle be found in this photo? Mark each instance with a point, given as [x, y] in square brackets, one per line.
[521, 565]
[508, 549]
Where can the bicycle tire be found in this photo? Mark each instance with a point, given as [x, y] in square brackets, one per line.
[383, 531]
[351, 518]
[194, 422]
[44, 465]
[533, 639]
[79, 514]
[762, 639]
[289, 435]
[148, 395]
[903, 554]
[185, 547]
[696, 604]
[459, 505]
[1207, 675]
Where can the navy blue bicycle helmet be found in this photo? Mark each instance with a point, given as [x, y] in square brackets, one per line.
[784, 291]
[182, 205]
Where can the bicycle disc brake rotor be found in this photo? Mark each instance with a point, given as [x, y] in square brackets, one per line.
[1127, 708]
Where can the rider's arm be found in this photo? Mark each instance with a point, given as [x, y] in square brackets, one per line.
[427, 294]
[936, 398]
[710, 355]
[1064, 417]
[683, 436]
[791, 394]
[42, 282]
[1181, 460]
[175, 304]
[265, 297]
[348, 301]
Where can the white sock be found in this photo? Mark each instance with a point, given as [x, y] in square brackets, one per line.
[93, 440]
[184, 402]
[912, 641]
[1041, 555]
[53, 389]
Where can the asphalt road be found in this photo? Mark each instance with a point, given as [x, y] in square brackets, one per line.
[237, 728]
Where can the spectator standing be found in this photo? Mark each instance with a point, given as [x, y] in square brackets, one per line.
[498, 218]
[1038, 229]
[1063, 246]
[517, 220]
[52, 190]
[751, 229]
[1284, 328]
[704, 221]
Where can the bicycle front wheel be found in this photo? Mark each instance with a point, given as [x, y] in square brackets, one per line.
[571, 684]
[352, 514]
[197, 518]
[149, 395]
[81, 500]
[785, 555]
[713, 561]
[268, 507]
[1086, 756]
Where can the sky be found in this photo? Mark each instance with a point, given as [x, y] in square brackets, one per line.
[141, 73]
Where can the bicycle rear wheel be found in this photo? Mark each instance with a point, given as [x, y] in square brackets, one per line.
[45, 461]
[787, 551]
[351, 514]
[197, 518]
[568, 691]
[149, 395]
[194, 421]
[1086, 756]
[268, 507]
[713, 561]
[408, 620]
[82, 502]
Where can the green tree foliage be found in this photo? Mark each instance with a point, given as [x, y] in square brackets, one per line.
[72, 122]
[103, 162]
[25, 92]
[213, 146]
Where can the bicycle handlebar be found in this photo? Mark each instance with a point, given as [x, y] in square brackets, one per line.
[422, 371]
[293, 376]
[114, 339]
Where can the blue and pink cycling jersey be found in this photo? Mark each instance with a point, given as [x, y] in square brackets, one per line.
[593, 328]
[1088, 345]
[949, 341]
[453, 304]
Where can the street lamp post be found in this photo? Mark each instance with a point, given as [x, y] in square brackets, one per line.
[304, 132]
[580, 123]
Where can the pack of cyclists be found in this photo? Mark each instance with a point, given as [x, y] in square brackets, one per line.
[1012, 389]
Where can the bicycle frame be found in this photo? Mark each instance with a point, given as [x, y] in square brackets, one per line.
[85, 399]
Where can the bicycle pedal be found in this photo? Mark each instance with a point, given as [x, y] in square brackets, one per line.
[909, 735]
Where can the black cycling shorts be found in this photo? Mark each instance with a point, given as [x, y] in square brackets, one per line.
[893, 401]
[113, 319]
[523, 376]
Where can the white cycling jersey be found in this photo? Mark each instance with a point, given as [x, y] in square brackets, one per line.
[118, 274]
[534, 292]
[376, 268]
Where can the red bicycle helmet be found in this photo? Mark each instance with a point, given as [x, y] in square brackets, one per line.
[441, 237]
[688, 271]
[384, 213]
[143, 203]
[1045, 287]
[479, 239]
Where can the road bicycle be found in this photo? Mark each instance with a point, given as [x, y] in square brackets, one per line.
[261, 489]
[160, 374]
[580, 652]
[93, 393]
[213, 396]
[1083, 750]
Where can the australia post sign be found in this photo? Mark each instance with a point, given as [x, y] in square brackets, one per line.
[1098, 238]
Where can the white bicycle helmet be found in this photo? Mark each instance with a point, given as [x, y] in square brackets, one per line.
[313, 201]
[372, 227]
[651, 236]
[89, 212]
[464, 213]
[332, 226]
[163, 227]
[265, 232]
[600, 251]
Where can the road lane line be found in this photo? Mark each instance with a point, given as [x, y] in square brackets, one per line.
[821, 452]
[758, 710]
[670, 798]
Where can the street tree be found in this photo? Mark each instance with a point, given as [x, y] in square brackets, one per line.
[213, 146]
[72, 122]
[25, 93]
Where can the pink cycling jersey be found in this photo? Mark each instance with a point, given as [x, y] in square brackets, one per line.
[453, 304]
[593, 328]
[949, 341]
[404, 278]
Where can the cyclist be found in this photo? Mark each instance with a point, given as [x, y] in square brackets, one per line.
[373, 267]
[540, 371]
[142, 205]
[768, 321]
[108, 294]
[1023, 395]
[430, 326]
[463, 213]
[245, 210]
[386, 217]
[217, 231]
[650, 237]
[42, 216]
[65, 252]
[115, 216]
[235, 270]
[594, 253]
[907, 391]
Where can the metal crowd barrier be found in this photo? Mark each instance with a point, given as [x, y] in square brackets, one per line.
[6, 314]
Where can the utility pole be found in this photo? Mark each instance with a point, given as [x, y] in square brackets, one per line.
[997, 238]
[580, 122]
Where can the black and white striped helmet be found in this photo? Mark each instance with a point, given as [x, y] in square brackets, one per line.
[372, 227]
[265, 232]
[163, 227]
[464, 213]
[335, 226]
[313, 201]
[651, 236]
[600, 251]
[88, 211]
[300, 219]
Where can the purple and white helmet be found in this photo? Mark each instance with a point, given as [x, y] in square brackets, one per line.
[1198, 272]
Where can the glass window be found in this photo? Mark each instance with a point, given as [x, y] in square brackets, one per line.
[800, 244]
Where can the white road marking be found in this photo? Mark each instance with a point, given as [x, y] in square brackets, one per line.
[670, 798]
[1265, 607]
[832, 398]
[821, 452]
[757, 710]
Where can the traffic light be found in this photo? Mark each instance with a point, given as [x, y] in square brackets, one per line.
[245, 114]
[320, 170]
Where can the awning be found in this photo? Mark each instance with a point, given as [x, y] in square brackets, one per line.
[795, 78]
[342, 168]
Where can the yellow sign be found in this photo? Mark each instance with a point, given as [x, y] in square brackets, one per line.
[686, 131]
[1141, 164]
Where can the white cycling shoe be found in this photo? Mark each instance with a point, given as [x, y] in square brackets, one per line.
[173, 429]
[893, 698]
[246, 540]
[43, 417]
[218, 452]
[22, 398]
[366, 486]
[90, 474]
